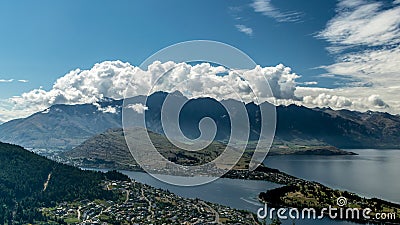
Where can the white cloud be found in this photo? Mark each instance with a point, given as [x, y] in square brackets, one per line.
[12, 80]
[358, 98]
[364, 37]
[369, 64]
[6, 81]
[244, 29]
[377, 102]
[111, 78]
[108, 109]
[139, 108]
[325, 100]
[310, 83]
[266, 8]
[6, 114]
[370, 34]
[373, 102]
[337, 99]
[363, 23]
[107, 79]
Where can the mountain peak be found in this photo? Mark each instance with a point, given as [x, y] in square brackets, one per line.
[66, 126]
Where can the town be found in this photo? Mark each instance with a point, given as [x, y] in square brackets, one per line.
[143, 204]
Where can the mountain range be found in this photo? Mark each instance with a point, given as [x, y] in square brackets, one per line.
[66, 126]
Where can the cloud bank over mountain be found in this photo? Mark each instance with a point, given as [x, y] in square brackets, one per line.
[111, 78]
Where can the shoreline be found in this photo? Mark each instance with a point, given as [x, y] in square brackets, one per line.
[275, 176]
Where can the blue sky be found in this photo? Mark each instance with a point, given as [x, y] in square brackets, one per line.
[43, 40]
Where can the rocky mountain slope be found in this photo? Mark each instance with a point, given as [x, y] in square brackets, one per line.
[67, 126]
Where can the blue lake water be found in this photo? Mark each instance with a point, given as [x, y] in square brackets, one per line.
[372, 173]
[239, 194]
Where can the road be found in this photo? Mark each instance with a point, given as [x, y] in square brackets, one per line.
[79, 213]
[127, 196]
[213, 211]
[46, 183]
[149, 208]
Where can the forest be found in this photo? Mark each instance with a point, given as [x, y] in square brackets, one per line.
[29, 181]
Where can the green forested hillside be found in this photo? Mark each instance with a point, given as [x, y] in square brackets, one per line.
[29, 181]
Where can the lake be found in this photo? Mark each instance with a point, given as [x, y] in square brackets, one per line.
[372, 173]
[239, 194]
